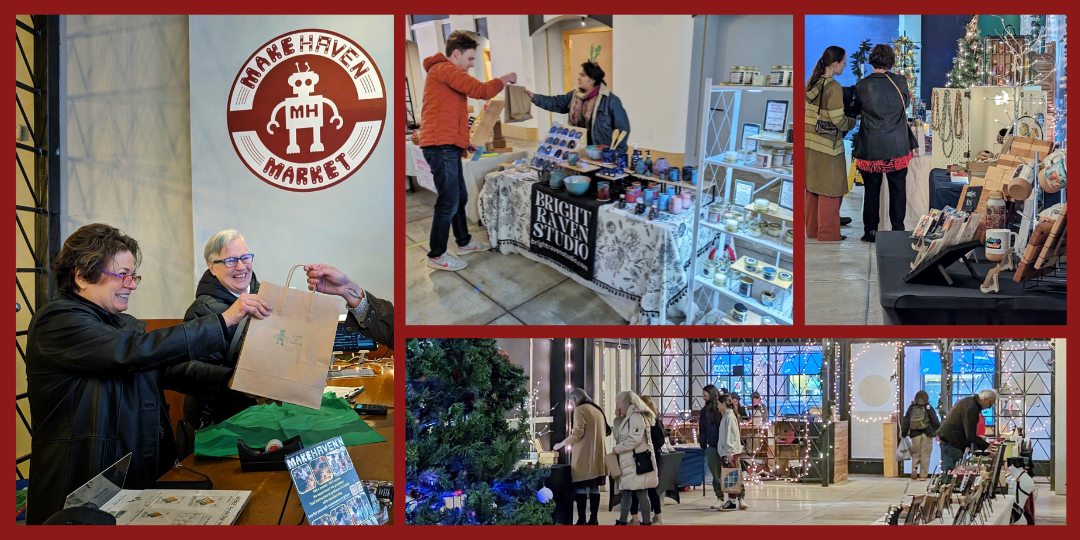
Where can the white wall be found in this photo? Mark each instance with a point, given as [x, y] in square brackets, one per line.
[512, 49]
[349, 225]
[873, 396]
[656, 50]
[428, 41]
[125, 153]
[1060, 422]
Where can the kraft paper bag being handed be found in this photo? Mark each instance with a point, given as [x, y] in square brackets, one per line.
[518, 104]
[286, 356]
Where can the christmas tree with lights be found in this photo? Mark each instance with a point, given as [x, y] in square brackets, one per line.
[461, 453]
[907, 63]
[965, 70]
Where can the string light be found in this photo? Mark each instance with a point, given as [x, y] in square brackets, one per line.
[899, 348]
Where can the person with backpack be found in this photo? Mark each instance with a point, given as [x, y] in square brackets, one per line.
[920, 423]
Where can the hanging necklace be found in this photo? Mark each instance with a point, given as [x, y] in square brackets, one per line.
[958, 116]
[935, 113]
[947, 142]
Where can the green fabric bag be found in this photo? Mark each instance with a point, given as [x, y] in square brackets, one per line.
[258, 425]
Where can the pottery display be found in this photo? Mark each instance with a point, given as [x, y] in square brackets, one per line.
[555, 179]
[577, 185]
[593, 152]
[660, 167]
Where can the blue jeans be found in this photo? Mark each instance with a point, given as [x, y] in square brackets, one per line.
[445, 162]
[949, 456]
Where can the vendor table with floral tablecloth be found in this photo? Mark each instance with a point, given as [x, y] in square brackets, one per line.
[641, 265]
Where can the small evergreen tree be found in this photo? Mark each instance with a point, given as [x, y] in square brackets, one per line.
[459, 445]
[965, 70]
[859, 58]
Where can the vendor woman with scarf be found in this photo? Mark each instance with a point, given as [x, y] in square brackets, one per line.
[592, 106]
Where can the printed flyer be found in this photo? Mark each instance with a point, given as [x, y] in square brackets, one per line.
[329, 488]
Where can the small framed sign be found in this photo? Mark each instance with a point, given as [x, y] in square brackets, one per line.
[749, 130]
[744, 192]
[787, 195]
[775, 116]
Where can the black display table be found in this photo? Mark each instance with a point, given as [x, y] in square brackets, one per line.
[962, 302]
[560, 483]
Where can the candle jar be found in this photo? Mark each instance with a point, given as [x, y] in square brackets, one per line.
[769, 273]
[745, 156]
[764, 157]
[731, 225]
[739, 312]
[710, 319]
[774, 229]
[789, 236]
[789, 158]
[768, 298]
[754, 229]
[746, 286]
[715, 211]
[603, 191]
[750, 264]
[767, 320]
[781, 75]
[708, 270]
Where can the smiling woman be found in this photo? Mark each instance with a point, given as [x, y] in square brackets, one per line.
[95, 375]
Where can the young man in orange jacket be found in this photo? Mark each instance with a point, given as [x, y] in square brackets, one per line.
[444, 136]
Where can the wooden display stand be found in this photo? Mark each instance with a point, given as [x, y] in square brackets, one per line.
[484, 125]
[498, 142]
[889, 441]
[840, 450]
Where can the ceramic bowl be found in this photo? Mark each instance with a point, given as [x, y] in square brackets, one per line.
[577, 184]
[593, 152]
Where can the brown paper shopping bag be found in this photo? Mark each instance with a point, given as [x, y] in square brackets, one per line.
[286, 356]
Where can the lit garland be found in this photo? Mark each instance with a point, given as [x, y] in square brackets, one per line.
[896, 392]
[569, 387]
[907, 62]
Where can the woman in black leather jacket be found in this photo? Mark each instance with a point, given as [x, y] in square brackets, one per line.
[883, 143]
[95, 377]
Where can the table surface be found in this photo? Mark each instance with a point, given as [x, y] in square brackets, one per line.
[273, 499]
[894, 255]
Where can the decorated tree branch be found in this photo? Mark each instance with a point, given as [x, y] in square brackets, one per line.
[966, 71]
[859, 59]
[462, 453]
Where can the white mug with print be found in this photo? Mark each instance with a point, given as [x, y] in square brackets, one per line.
[998, 241]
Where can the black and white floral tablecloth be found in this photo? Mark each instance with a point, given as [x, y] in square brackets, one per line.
[642, 267]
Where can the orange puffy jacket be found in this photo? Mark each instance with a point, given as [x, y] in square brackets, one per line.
[444, 118]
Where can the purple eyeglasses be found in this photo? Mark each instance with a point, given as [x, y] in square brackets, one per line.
[126, 280]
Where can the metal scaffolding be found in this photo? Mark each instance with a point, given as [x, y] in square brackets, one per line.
[41, 93]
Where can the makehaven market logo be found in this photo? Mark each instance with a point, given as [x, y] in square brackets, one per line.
[306, 110]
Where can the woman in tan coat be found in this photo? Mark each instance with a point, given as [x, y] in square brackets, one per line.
[586, 441]
[826, 165]
[632, 437]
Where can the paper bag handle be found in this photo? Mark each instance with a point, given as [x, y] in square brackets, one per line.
[287, 281]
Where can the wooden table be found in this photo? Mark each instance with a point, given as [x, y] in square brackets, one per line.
[273, 499]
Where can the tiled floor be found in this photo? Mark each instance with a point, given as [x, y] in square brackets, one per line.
[841, 277]
[861, 500]
[495, 288]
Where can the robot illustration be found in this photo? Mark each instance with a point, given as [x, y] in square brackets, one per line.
[280, 338]
[304, 110]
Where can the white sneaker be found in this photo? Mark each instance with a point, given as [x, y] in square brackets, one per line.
[742, 505]
[472, 247]
[719, 503]
[446, 262]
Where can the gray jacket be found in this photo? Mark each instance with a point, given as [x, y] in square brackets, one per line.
[608, 116]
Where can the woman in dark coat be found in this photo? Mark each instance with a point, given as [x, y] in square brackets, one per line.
[95, 377]
[709, 437]
[591, 106]
[883, 143]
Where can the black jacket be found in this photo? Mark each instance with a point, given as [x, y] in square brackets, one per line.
[905, 422]
[377, 323]
[883, 128]
[212, 298]
[961, 425]
[709, 427]
[95, 384]
[656, 433]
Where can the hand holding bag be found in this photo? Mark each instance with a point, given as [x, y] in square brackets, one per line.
[731, 476]
[286, 356]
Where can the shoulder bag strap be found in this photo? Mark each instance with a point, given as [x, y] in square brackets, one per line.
[898, 92]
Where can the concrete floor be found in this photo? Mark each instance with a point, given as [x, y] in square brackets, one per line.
[841, 277]
[494, 288]
[861, 500]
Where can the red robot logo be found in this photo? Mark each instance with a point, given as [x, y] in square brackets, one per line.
[306, 110]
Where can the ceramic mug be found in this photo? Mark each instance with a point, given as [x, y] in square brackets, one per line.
[997, 242]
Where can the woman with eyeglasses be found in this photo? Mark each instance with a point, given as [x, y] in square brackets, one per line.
[95, 376]
[229, 274]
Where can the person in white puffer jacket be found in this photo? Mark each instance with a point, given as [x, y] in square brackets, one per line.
[729, 446]
[632, 437]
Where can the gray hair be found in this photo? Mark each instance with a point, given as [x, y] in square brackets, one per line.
[631, 398]
[988, 395]
[578, 396]
[218, 242]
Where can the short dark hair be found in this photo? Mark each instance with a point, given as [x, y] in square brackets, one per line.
[594, 72]
[882, 57]
[459, 41]
[87, 251]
